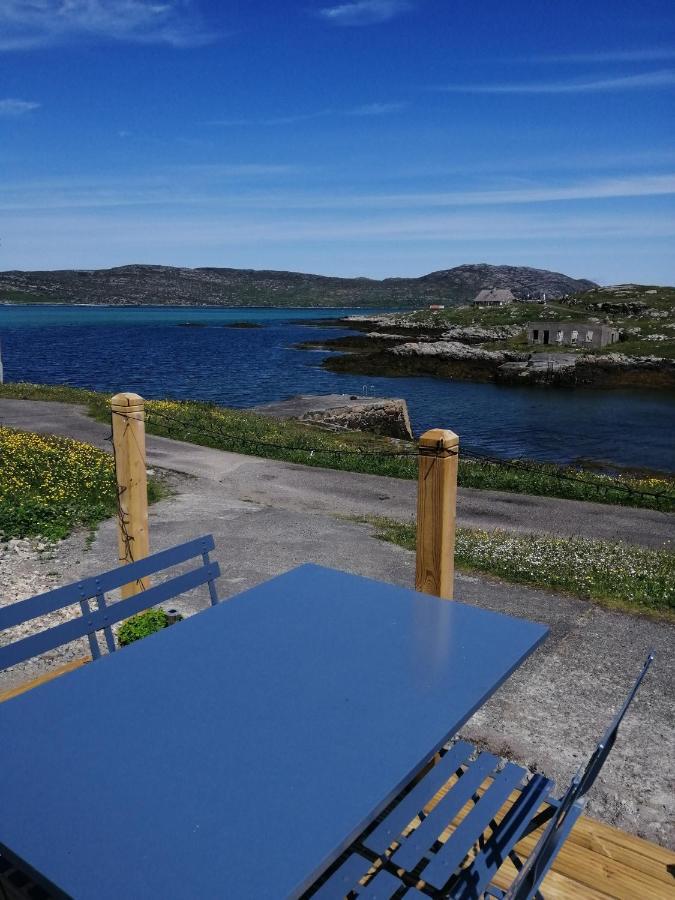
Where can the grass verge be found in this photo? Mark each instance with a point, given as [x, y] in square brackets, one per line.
[49, 485]
[617, 575]
[247, 432]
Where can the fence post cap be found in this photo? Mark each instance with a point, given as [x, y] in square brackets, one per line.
[438, 439]
[126, 400]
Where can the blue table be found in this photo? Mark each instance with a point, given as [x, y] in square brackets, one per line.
[238, 753]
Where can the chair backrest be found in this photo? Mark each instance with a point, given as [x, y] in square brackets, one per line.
[540, 860]
[103, 616]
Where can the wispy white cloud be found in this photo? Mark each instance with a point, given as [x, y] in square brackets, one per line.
[12, 107]
[253, 188]
[610, 246]
[646, 54]
[519, 165]
[375, 109]
[365, 110]
[599, 189]
[364, 12]
[659, 79]
[184, 228]
[25, 24]
[235, 170]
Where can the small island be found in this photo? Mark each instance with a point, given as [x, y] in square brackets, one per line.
[619, 336]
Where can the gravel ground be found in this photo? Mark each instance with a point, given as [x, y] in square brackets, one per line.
[29, 567]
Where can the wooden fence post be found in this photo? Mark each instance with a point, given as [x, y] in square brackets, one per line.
[128, 430]
[436, 512]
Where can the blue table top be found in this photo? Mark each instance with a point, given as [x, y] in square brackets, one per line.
[238, 753]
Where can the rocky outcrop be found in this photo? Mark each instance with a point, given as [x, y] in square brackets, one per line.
[477, 334]
[405, 321]
[540, 368]
[454, 350]
[378, 415]
[586, 369]
[385, 336]
[628, 307]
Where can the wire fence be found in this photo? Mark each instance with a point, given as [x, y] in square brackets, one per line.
[587, 479]
[605, 487]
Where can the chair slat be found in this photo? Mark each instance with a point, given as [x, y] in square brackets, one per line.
[382, 887]
[415, 801]
[344, 879]
[446, 861]
[41, 604]
[476, 877]
[416, 845]
[103, 618]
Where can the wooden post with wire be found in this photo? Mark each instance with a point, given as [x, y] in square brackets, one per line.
[128, 435]
[436, 512]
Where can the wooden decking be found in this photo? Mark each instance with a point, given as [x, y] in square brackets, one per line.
[596, 862]
[599, 861]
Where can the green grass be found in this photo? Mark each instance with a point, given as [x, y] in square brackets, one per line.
[514, 313]
[247, 432]
[142, 625]
[50, 485]
[617, 575]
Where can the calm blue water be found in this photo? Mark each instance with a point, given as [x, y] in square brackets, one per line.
[145, 350]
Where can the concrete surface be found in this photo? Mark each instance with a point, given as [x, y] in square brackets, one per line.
[270, 516]
[379, 415]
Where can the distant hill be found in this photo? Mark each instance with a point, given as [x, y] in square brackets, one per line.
[165, 285]
[464, 282]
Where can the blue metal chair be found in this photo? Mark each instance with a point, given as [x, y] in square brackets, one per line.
[420, 846]
[14, 883]
[103, 616]
[569, 807]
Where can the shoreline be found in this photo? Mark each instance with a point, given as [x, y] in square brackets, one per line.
[428, 350]
[245, 420]
[42, 304]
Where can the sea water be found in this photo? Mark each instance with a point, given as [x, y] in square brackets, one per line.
[195, 353]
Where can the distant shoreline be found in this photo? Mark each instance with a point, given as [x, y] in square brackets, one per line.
[41, 305]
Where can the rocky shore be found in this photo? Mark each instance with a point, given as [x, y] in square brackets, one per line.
[393, 344]
[572, 369]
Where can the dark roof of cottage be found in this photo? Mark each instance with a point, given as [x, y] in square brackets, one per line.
[494, 295]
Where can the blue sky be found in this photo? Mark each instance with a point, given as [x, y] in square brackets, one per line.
[351, 137]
